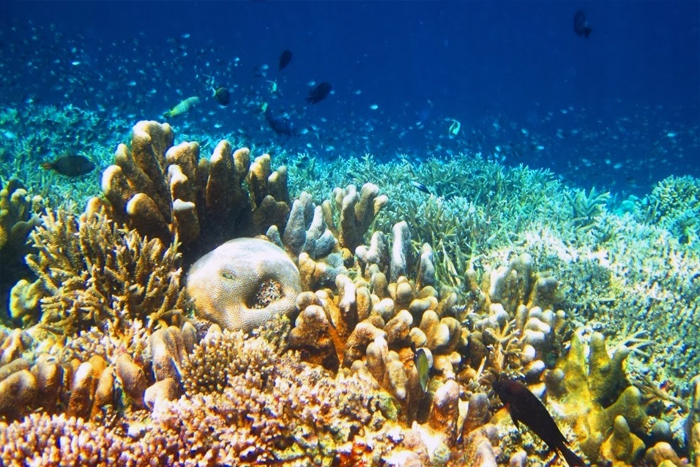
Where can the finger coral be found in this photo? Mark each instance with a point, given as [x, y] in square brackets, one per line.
[165, 191]
[356, 211]
[19, 214]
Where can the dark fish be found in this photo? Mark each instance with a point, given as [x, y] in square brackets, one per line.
[525, 407]
[420, 187]
[280, 125]
[70, 166]
[222, 96]
[581, 27]
[319, 93]
[285, 59]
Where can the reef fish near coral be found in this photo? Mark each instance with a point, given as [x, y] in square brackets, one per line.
[581, 27]
[319, 93]
[182, 107]
[525, 407]
[420, 359]
[222, 96]
[285, 59]
[70, 165]
[280, 125]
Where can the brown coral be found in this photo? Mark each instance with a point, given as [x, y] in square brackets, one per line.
[356, 212]
[94, 273]
[166, 191]
[19, 213]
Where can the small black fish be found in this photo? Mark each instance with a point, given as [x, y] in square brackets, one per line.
[319, 93]
[581, 27]
[70, 166]
[222, 96]
[420, 187]
[280, 125]
[285, 60]
[525, 407]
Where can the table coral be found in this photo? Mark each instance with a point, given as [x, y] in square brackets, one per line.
[243, 283]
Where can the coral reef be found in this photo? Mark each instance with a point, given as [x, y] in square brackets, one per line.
[369, 335]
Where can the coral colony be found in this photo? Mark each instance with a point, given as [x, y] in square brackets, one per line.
[198, 314]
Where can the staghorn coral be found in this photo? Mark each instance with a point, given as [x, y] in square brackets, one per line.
[587, 207]
[165, 191]
[243, 283]
[674, 204]
[94, 273]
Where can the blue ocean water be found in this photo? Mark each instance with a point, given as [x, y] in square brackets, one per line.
[619, 109]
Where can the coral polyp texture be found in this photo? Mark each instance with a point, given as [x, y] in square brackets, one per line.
[244, 283]
[355, 326]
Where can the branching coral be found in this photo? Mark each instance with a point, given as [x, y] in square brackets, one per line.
[94, 273]
[269, 409]
[587, 207]
[674, 203]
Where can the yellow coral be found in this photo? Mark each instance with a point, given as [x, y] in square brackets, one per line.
[166, 191]
[93, 272]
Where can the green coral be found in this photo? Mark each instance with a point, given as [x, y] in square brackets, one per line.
[591, 391]
[674, 204]
[586, 208]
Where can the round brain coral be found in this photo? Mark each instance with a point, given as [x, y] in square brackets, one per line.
[244, 283]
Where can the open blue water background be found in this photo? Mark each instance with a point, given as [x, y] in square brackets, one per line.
[620, 109]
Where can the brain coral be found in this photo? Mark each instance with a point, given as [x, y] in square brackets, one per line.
[243, 283]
